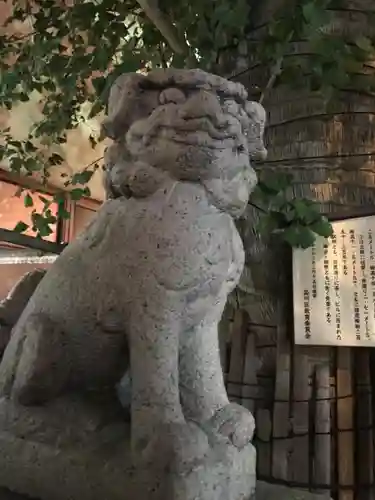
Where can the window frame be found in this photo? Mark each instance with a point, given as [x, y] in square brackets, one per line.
[65, 227]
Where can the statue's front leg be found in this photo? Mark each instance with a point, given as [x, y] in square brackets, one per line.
[203, 392]
[202, 386]
[158, 424]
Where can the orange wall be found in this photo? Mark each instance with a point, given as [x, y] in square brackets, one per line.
[12, 210]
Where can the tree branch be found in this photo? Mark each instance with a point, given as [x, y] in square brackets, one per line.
[166, 28]
[257, 207]
[275, 71]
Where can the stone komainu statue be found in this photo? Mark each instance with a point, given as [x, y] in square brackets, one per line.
[144, 286]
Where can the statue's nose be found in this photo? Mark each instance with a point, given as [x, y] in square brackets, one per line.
[202, 103]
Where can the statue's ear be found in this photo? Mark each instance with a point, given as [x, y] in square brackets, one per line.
[257, 122]
[126, 103]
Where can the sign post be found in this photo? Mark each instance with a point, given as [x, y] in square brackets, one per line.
[334, 287]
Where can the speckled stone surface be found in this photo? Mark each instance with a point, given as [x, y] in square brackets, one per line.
[147, 281]
[72, 449]
[264, 491]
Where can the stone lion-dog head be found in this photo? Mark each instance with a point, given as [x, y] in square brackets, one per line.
[185, 125]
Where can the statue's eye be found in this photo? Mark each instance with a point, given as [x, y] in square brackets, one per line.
[241, 149]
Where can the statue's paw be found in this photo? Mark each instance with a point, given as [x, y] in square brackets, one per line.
[177, 444]
[234, 422]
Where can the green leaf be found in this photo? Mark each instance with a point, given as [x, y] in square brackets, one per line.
[305, 211]
[99, 84]
[50, 219]
[56, 159]
[44, 230]
[289, 213]
[30, 147]
[267, 225]
[16, 164]
[21, 227]
[32, 165]
[46, 202]
[315, 15]
[298, 236]
[82, 177]
[364, 43]
[77, 193]
[279, 217]
[63, 213]
[28, 201]
[275, 183]
[42, 224]
[260, 198]
[322, 227]
[309, 10]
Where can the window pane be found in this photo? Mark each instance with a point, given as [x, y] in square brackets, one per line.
[12, 209]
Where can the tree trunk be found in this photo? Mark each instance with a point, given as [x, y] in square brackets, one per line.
[330, 151]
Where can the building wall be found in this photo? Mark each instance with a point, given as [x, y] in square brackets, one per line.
[77, 151]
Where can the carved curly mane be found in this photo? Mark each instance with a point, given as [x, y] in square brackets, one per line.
[184, 126]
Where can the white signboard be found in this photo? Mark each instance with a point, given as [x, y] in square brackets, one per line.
[334, 287]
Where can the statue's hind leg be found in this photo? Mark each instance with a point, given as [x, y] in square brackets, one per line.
[33, 369]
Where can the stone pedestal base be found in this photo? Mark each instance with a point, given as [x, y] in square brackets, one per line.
[264, 491]
[267, 491]
[68, 451]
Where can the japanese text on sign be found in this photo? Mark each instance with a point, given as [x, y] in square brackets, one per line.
[334, 287]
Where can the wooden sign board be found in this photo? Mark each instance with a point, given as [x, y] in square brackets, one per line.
[334, 287]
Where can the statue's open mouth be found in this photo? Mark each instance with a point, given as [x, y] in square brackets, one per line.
[219, 132]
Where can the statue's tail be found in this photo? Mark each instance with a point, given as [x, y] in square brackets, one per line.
[13, 305]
